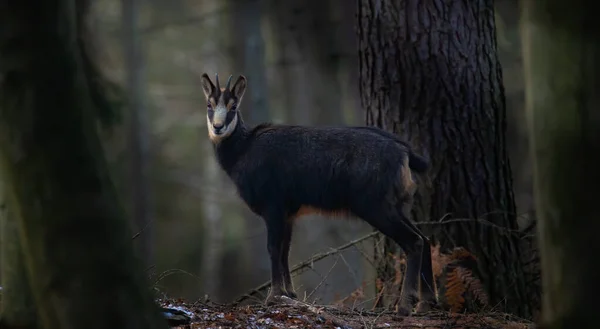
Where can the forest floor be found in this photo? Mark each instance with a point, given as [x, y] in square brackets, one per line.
[295, 314]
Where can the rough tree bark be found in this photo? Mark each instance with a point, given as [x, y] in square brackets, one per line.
[429, 72]
[561, 50]
[75, 239]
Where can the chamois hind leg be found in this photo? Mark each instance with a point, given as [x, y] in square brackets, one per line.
[392, 224]
[288, 287]
[275, 237]
[427, 285]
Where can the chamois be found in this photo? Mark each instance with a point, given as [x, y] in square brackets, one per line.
[285, 171]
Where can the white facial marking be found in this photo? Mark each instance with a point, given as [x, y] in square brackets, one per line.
[220, 115]
[224, 132]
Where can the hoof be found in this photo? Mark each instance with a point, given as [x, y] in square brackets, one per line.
[403, 311]
[406, 305]
[291, 294]
[424, 307]
[273, 299]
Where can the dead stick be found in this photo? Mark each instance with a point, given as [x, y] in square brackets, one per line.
[378, 298]
[336, 321]
[305, 264]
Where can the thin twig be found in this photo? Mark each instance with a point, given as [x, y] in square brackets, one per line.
[170, 272]
[472, 220]
[350, 270]
[324, 278]
[143, 229]
[336, 321]
[378, 298]
[306, 264]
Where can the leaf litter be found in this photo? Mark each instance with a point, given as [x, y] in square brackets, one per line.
[298, 315]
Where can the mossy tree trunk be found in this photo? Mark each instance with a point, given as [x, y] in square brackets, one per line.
[430, 73]
[18, 308]
[561, 51]
[75, 239]
[139, 137]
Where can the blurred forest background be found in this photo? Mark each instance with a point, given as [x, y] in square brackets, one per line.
[301, 61]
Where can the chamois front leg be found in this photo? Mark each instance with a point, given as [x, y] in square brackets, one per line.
[287, 278]
[275, 237]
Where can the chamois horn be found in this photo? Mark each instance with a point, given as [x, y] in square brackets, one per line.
[228, 82]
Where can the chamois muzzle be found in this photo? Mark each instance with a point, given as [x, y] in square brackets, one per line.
[218, 127]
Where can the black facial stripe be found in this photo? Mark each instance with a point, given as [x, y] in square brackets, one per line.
[211, 114]
[230, 116]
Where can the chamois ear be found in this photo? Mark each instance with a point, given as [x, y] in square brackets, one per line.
[207, 86]
[239, 87]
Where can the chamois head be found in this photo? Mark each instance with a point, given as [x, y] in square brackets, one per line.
[222, 106]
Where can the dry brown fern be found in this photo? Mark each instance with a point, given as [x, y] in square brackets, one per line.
[356, 296]
[438, 260]
[473, 285]
[456, 271]
[455, 289]
[455, 279]
[399, 268]
[461, 253]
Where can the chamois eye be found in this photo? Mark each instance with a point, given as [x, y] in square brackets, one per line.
[208, 106]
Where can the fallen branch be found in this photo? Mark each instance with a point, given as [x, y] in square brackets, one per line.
[306, 264]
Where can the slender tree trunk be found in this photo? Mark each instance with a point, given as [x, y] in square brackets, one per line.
[249, 57]
[304, 34]
[324, 56]
[213, 176]
[139, 139]
[561, 51]
[18, 309]
[345, 22]
[75, 239]
[430, 73]
[288, 22]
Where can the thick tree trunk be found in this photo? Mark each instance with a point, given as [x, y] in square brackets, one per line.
[75, 239]
[561, 52]
[18, 309]
[429, 72]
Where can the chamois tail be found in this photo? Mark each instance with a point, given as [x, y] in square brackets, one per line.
[417, 163]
